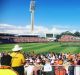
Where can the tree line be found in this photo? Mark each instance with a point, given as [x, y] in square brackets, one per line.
[76, 34]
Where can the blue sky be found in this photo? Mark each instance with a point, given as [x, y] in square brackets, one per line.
[48, 13]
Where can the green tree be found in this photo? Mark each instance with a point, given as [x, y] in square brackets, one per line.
[77, 34]
[64, 33]
[67, 33]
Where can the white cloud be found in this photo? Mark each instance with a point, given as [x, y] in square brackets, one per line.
[5, 28]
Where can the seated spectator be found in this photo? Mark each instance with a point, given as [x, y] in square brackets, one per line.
[38, 67]
[5, 68]
[60, 61]
[29, 70]
[60, 70]
[6, 59]
[71, 68]
[77, 68]
[47, 68]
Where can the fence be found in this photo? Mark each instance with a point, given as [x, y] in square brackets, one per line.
[60, 70]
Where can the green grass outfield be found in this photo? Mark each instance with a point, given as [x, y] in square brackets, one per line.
[73, 47]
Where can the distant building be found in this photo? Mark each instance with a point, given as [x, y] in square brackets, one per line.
[69, 38]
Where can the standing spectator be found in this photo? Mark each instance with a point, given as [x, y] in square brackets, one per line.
[18, 60]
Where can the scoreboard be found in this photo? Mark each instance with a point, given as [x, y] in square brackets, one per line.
[49, 35]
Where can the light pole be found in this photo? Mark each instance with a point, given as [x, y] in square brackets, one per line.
[32, 9]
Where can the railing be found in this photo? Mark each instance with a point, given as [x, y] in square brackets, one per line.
[60, 70]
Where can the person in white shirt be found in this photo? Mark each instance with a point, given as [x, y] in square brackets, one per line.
[47, 68]
[77, 68]
[29, 69]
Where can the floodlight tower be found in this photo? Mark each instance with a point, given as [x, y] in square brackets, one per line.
[32, 9]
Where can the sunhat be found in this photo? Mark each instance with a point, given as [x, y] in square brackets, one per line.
[16, 48]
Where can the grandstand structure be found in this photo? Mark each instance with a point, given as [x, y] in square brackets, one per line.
[69, 38]
[13, 38]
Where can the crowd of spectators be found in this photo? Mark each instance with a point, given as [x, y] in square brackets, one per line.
[53, 64]
[19, 39]
[42, 64]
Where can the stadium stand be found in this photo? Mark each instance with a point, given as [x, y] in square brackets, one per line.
[69, 38]
[12, 38]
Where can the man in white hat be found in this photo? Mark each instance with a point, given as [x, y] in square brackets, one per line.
[18, 60]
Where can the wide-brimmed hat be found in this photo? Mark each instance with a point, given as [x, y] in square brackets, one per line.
[16, 48]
